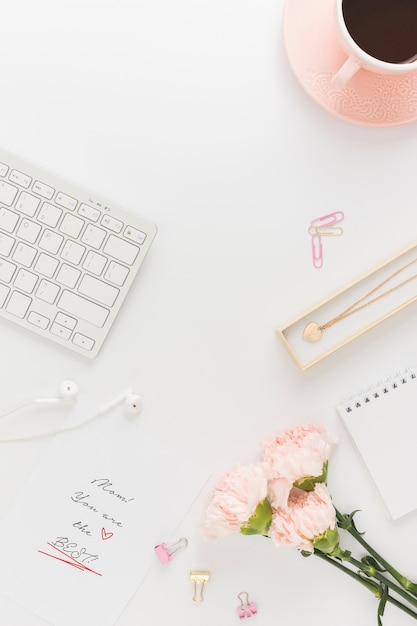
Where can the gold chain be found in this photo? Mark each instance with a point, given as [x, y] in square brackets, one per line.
[313, 331]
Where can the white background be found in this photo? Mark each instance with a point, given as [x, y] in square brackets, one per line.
[187, 113]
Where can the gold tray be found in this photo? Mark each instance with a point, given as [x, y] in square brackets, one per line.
[306, 354]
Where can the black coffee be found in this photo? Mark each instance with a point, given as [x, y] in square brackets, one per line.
[385, 29]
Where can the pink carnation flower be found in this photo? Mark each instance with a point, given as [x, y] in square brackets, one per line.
[234, 500]
[278, 492]
[308, 516]
[298, 453]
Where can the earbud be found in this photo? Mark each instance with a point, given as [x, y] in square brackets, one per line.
[132, 402]
[68, 391]
[67, 395]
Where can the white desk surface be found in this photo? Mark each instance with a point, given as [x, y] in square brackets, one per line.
[188, 113]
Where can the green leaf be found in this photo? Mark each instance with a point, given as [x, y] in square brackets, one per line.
[260, 522]
[373, 563]
[306, 553]
[373, 586]
[345, 521]
[328, 542]
[382, 603]
[307, 483]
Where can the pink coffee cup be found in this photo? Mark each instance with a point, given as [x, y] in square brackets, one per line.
[377, 35]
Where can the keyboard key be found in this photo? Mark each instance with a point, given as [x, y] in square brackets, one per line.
[72, 252]
[121, 250]
[20, 178]
[46, 265]
[47, 291]
[38, 320]
[18, 304]
[43, 190]
[71, 225]
[24, 255]
[7, 270]
[27, 204]
[25, 281]
[6, 244]
[49, 214]
[8, 220]
[60, 331]
[83, 342]
[98, 290]
[28, 231]
[66, 320]
[4, 292]
[135, 235]
[3, 169]
[112, 224]
[68, 276]
[83, 308]
[116, 273]
[89, 212]
[65, 201]
[93, 236]
[94, 262]
[50, 241]
[7, 193]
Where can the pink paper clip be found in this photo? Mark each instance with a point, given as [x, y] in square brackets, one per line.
[164, 552]
[328, 220]
[246, 609]
[317, 250]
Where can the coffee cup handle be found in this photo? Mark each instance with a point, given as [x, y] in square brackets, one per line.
[346, 72]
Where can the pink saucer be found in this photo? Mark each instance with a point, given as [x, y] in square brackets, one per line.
[315, 55]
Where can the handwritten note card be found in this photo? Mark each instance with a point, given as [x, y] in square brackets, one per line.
[79, 539]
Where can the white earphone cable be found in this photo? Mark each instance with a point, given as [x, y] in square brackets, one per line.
[16, 408]
[134, 405]
[50, 433]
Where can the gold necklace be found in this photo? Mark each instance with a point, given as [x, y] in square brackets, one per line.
[313, 331]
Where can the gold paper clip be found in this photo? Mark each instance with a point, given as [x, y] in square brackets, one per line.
[326, 231]
[199, 579]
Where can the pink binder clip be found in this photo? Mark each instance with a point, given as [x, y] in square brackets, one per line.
[246, 609]
[164, 552]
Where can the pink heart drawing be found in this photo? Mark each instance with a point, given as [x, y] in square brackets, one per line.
[105, 535]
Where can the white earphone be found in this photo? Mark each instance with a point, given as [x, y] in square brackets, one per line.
[132, 402]
[68, 391]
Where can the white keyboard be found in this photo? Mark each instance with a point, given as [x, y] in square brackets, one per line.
[67, 257]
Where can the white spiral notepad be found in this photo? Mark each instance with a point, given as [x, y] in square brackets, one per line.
[381, 421]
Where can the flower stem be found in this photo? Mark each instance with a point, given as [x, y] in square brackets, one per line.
[346, 522]
[373, 573]
[374, 587]
[370, 585]
[402, 606]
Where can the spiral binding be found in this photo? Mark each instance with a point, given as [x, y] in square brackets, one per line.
[379, 390]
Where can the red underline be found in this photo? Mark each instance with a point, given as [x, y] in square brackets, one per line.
[72, 562]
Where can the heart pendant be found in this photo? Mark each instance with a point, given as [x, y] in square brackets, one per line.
[312, 332]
